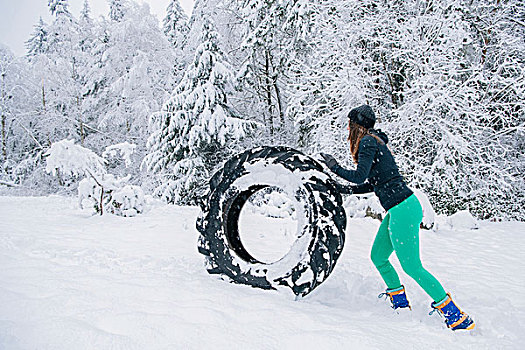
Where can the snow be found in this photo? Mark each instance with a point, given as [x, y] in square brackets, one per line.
[72, 280]
[267, 235]
[462, 220]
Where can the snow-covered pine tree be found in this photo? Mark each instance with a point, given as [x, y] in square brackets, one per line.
[85, 13]
[62, 31]
[195, 129]
[37, 43]
[86, 28]
[175, 25]
[230, 25]
[227, 23]
[59, 7]
[176, 29]
[117, 9]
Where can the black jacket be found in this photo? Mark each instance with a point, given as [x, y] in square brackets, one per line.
[376, 172]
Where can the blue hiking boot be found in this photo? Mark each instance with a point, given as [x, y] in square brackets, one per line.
[455, 319]
[398, 298]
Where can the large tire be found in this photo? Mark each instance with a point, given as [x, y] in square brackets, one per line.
[320, 235]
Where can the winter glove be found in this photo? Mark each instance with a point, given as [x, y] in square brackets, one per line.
[330, 161]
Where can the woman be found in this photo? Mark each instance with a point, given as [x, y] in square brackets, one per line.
[377, 172]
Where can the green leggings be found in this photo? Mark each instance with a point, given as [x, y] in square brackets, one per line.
[399, 232]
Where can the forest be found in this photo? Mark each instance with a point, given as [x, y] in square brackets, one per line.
[164, 102]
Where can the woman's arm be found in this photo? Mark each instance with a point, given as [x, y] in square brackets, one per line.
[354, 189]
[367, 151]
[362, 188]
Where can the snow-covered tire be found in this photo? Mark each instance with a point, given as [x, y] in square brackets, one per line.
[321, 224]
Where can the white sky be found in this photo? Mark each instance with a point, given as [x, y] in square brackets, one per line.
[17, 17]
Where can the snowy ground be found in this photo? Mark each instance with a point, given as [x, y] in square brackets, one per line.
[69, 280]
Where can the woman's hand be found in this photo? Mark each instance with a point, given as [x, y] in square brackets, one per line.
[330, 161]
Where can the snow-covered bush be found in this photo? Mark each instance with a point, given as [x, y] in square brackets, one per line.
[116, 196]
[104, 192]
[127, 201]
[461, 220]
[89, 194]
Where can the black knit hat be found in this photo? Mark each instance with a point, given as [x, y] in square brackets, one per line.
[363, 115]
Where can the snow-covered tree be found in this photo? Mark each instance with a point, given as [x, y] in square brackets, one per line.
[228, 23]
[176, 24]
[37, 43]
[61, 70]
[176, 29]
[427, 68]
[117, 9]
[63, 31]
[332, 77]
[133, 73]
[130, 77]
[195, 129]
[6, 97]
[85, 13]
[276, 33]
[466, 102]
[261, 75]
[86, 24]
[59, 7]
[99, 80]
[19, 143]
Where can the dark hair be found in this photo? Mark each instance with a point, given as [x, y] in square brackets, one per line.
[356, 133]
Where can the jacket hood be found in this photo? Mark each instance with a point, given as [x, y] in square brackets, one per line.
[379, 134]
